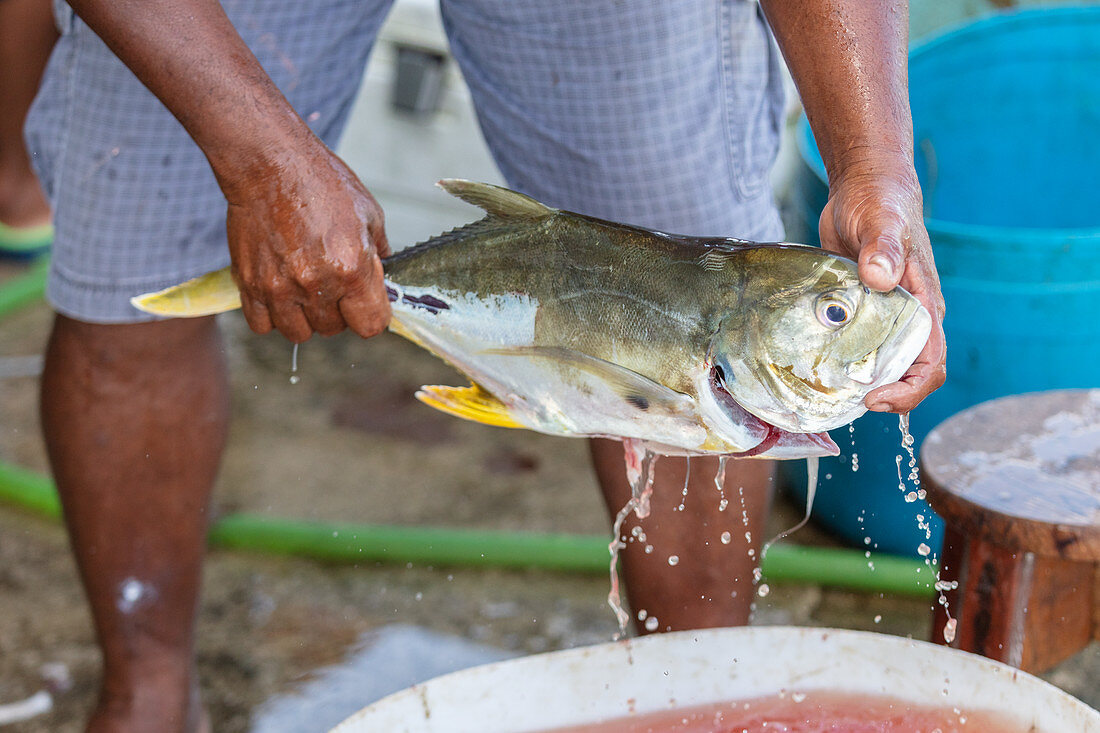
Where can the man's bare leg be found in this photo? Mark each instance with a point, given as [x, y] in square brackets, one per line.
[711, 582]
[27, 34]
[135, 420]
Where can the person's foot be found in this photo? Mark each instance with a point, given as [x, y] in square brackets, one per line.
[157, 706]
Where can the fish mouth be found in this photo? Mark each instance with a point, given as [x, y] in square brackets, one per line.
[775, 439]
[903, 343]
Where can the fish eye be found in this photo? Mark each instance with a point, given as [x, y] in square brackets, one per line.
[833, 311]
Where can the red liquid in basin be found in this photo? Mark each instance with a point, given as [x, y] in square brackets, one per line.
[816, 712]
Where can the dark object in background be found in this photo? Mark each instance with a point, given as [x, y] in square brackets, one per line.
[418, 84]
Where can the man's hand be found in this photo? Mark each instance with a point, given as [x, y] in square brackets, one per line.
[849, 61]
[306, 240]
[304, 235]
[874, 216]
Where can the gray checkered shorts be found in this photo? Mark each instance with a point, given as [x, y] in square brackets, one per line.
[663, 114]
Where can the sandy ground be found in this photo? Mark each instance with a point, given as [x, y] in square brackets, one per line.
[349, 443]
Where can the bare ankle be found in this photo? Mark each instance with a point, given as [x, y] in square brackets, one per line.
[153, 704]
[22, 202]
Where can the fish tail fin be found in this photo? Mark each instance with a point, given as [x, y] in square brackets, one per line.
[205, 295]
[495, 200]
[396, 326]
[472, 403]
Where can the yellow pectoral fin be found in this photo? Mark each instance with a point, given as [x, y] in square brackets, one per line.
[206, 295]
[471, 403]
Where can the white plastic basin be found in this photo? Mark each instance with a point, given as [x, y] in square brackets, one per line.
[691, 668]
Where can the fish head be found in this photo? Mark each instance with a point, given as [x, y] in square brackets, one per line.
[806, 341]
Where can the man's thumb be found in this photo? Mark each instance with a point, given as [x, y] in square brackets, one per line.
[882, 262]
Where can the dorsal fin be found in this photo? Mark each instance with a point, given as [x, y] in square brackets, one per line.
[718, 251]
[495, 200]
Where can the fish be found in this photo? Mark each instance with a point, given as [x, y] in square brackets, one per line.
[575, 326]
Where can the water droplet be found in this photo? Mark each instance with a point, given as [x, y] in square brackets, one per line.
[726, 537]
[642, 614]
[294, 378]
[763, 590]
[798, 696]
[651, 624]
[723, 504]
[673, 559]
[949, 631]
[419, 596]
[923, 550]
[649, 549]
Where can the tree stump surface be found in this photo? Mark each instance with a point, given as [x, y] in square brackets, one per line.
[1017, 481]
[1022, 471]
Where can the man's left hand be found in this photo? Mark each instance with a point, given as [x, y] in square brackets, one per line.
[875, 217]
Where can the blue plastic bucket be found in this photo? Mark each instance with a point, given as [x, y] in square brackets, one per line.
[1006, 115]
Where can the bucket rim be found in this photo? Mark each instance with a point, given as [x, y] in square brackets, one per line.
[807, 151]
[1072, 14]
[730, 646]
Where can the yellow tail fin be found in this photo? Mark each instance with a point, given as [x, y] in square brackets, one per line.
[206, 295]
[471, 403]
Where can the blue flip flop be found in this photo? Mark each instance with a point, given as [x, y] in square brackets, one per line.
[25, 243]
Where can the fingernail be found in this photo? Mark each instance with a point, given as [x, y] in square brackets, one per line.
[879, 407]
[884, 263]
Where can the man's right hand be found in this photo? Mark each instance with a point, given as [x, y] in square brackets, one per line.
[306, 240]
[304, 234]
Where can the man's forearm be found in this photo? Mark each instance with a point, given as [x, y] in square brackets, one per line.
[849, 62]
[189, 55]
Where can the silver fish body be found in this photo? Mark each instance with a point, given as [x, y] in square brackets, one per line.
[570, 325]
[575, 326]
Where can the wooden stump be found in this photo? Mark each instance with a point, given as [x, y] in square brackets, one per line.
[1017, 481]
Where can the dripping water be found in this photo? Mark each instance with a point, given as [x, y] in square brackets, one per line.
[294, 378]
[687, 478]
[911, 495]
[811, 490]
[720, 482]
[639, 474]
